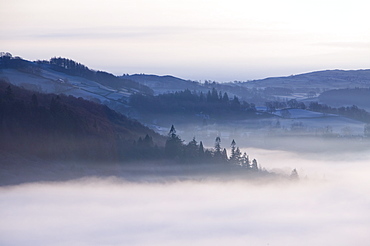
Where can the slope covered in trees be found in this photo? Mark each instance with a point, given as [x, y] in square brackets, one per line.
[347, 97]
[213, 103]
[65, 127]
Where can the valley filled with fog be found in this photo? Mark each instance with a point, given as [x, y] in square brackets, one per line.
[328, 205]
[197, 123]
[75, 171]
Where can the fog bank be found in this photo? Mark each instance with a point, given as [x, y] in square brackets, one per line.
[334, 210]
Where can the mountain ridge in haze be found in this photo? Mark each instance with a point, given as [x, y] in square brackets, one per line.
[60, 72]
[327, 79]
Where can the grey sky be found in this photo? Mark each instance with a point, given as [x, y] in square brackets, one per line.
[217, 40]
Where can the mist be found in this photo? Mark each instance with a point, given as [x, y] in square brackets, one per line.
[329, 205]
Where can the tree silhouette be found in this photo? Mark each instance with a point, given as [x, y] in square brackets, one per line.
[254, 165]
[232, 157]
[294, 175]
[173, 147]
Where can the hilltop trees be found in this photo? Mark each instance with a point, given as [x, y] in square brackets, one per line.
[214, 103]
[239, 159]
[59, 126]
[192, 152]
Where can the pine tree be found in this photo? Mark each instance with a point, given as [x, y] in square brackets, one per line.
[214, 95]
[192, 150]
[148, 141]
[238, 155]
[201, 97]
[245, 160]
[218, 145]
[201, 149]
[294, 175]
[236, 101]
[225, 98]
[174, 146]
[217, 153]
[254, 165]
[232, 157]
[209, 96]
[224, 155]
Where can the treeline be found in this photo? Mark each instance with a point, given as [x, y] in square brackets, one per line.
[192, 153]
[64, 127]
[353, 96]
[59, 127]
[72, 68]
[272, 106]
[352, 112]
[213, 103]
[8, 61]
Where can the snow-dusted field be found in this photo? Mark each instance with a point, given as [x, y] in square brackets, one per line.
[55, 82]
[318, 122]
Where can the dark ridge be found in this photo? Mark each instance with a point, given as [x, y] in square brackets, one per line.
[64, 127]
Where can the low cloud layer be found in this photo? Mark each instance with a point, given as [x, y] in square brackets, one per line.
[334, 210]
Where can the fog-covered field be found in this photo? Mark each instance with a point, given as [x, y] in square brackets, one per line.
[331, 206]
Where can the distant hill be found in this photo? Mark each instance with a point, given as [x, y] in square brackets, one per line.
[347, 97]
[65, 76]
[163, 84]
[64, 127]
[301, 87]
[320, 80]
[62, 75]
[168, 84]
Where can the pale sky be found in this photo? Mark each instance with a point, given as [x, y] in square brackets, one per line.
[194, 39]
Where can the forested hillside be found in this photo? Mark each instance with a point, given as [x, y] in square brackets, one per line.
[65, 127]
[213, 104]
[347, 97]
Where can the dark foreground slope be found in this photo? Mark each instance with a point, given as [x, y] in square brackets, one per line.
[63, 127]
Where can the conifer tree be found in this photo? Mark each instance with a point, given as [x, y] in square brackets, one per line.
[148, 141]
[173, 147]
[201, 149]
[245, 160]
[224, 155]
[232, 157]
[294, 175]
[214, 95]
[238, 156]
[225, 98]
[217, 153]
[191, 150]
[254, 165]
[218, 145]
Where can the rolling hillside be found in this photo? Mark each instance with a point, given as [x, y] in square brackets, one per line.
[64, 76]
[320, 80]
[64, 127]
